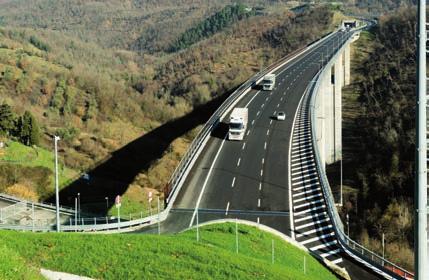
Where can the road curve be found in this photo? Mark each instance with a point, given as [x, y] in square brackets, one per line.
[251, 179]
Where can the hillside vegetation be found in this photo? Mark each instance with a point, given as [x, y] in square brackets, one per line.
[380, 155]
[209, 26]
[137, 256]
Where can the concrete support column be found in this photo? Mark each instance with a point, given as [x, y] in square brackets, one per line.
[338, 84]
[329, 129]
[320, 121]
[347, 65]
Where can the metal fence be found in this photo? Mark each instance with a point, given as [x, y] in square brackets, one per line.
[13, 199]
[12, 210]
[354, 249]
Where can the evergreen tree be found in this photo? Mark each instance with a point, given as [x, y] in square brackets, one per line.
[7, 119]
[28, 130]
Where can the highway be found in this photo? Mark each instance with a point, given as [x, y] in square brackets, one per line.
[253, 179]
[249, 179]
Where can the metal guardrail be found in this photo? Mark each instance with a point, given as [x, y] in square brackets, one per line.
[366, 256]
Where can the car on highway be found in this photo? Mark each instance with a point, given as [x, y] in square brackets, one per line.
[281, 116]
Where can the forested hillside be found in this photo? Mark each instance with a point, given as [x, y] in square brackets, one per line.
[380, 156]
[140, 25]
[104, 99]
[216, 23]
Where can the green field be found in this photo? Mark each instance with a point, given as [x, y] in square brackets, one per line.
[138, 256]
[17, 153]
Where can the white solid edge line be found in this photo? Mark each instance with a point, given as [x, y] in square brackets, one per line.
[205, 182]
[252, 99]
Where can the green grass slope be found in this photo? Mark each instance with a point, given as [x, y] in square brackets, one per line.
[14, 266]
[137, 256]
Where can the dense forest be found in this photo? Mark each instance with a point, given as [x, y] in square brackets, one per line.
[99, 98]
[215, 23]
[381, 162]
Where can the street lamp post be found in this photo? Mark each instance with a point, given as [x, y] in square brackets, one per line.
[107, 203]
[78, 205]
[420, 193]
[382, 244]
[57, 194]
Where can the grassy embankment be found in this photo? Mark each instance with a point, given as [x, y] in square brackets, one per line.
[27, 163]
[136, 256]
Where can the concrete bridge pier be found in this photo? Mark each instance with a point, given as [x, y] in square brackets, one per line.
[328, 102]
[338, 85]
[347, 65]
[329, 106]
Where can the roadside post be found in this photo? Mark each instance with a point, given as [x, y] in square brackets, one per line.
[272, 251]
[75, 214]
[236, 236]
[159, 219]
[150, 203]
[198, 228]
[118, 206]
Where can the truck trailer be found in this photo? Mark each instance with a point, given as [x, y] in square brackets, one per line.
[269, 82]
[238, 124]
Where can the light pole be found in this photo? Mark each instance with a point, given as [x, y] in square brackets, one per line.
[75, 213]
[382, 244]
[107, 203]
[57, 194]
[420, 193]
[78, 205]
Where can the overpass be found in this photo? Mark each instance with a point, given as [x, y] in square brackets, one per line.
[276, 175]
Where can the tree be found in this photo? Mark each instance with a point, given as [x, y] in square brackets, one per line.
[7, 119]
[28, 130]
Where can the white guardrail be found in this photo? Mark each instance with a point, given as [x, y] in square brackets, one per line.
[185, 164]
[368, 258]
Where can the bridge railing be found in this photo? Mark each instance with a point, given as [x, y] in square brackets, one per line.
[353, 248]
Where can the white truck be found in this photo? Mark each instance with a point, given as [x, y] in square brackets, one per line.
[269, 81]
[238, 124]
